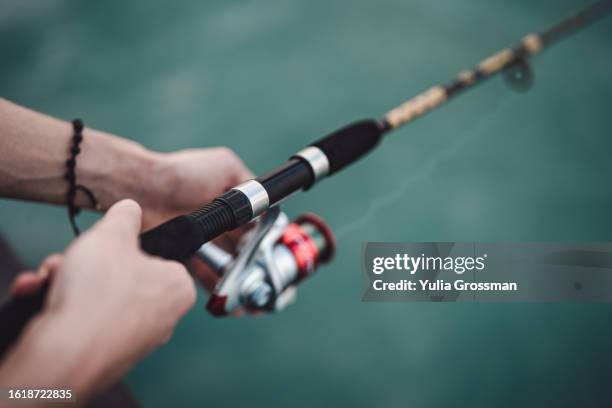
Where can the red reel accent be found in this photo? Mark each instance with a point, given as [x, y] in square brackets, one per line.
[216, 305]
[303, 249]
[330, 238]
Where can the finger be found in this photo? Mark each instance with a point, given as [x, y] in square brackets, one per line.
[26, 284]
[232, 164]
[233, 237]
[123, 218]
[230, 240]
[242, 174]
[226, 243]
[49, 266]
[203, 273]
[30, 282]
[207, 277]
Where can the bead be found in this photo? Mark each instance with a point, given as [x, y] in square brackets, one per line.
[73, 210]
[77, 124]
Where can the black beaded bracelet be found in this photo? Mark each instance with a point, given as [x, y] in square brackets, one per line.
[73, 187]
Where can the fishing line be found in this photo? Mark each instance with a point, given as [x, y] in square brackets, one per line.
[431, 165]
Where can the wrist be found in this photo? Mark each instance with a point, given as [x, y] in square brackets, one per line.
[114, 168]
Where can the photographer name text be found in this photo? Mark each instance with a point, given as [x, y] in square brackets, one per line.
[434, 264]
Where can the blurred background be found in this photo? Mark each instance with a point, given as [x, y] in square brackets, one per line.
[494, 165]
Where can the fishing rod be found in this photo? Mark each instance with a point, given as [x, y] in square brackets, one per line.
[279, 254]
[182, 236]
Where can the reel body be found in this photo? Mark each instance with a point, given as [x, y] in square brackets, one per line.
[272, 259]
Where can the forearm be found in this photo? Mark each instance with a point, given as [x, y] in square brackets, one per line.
[33, 153]
[51, 354]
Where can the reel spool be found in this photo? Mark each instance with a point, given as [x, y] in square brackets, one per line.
[272, 259]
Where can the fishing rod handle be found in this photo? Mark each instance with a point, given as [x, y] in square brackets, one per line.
[182, 236]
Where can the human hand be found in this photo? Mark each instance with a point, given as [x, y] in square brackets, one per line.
[169, 185]
[186, 180]
[108, 306]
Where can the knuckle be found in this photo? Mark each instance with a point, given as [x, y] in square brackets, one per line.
[228, 155]
[234, 164]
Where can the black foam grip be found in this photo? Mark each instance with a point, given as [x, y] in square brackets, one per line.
[182, 236]
[346, 145]
[175, 239]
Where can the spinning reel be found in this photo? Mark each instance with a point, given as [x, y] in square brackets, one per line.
[272, 259]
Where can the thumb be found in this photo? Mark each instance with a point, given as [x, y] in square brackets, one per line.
[30, 282]
[123, 219]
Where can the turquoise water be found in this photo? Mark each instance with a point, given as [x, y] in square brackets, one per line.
[492, 166]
